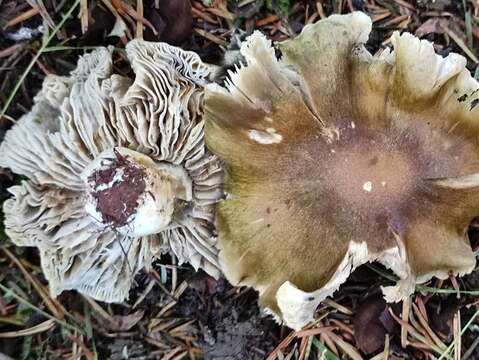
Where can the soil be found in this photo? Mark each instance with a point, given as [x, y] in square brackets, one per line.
[119, 201]
[231, 324]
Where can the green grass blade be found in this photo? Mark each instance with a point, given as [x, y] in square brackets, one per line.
[324, 352]
[35, 58]
[66, 325]
[445, 354]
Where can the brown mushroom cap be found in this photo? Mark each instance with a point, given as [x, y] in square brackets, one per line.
[335, 157]
[118, 171]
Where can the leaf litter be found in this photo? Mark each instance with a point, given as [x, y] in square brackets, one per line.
[174, 313]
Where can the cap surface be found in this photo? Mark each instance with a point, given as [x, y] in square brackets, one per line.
[335, 157]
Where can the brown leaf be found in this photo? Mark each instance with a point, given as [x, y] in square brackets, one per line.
[431, 26]
[173, 20]
[372, 322]
[121, 322]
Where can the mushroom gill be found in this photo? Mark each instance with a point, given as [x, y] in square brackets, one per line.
[335, 157]
[118, 171]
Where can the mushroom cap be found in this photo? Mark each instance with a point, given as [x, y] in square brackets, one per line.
[335, 157]
[155, 120]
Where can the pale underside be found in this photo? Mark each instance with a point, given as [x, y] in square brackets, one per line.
[75, 119]
[335, 158]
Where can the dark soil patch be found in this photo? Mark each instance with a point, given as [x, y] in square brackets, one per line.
[120, 199]
[232, 326]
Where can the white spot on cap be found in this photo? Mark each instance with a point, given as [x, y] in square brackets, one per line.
[257, 221]
[353, 125]
[265, 138]
[383, 183]
[368, 186]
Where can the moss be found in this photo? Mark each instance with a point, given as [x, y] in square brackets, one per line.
[281, 6]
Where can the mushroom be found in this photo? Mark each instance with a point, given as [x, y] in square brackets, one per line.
[118, 172]
[335, 157]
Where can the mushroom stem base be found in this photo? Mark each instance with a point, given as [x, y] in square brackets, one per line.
[133, 194]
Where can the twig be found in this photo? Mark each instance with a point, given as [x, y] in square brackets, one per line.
[23, 17]
[406, 306]
[383, 355]
[456, 324]
[202, 15]
[445, 354]
[427, 328]
[48, 301]
[98, 309]
[84, 16]
[460, 43]
[10, 50]
[139, 24]
[42, 327]
[415, 334]
[8, 291]
[267, 20]
[43, 12]
[339, 307]
[88, 354]
[210, 36]
[471, 349]
[346, 347]
[128, 9]
[320, 9]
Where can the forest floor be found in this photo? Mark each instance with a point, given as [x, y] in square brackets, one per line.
[173, 312]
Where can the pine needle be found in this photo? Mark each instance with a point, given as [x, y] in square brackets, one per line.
[36, 57]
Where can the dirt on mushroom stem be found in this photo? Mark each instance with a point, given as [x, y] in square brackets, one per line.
[119, 200]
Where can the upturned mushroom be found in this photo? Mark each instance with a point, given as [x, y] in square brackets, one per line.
[118, 172]
[335, 157]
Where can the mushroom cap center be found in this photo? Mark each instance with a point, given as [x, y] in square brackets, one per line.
[377, 172]
[372, 174]
[132, 194]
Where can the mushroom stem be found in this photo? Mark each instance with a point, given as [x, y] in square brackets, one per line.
[135, 195]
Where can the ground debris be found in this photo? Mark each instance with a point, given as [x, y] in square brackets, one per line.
[231, 324]
[174, 313]
[372, 322]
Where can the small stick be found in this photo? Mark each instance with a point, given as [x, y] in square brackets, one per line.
[23, 17]
[139, 23]
[84, 16]
[406, 306]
